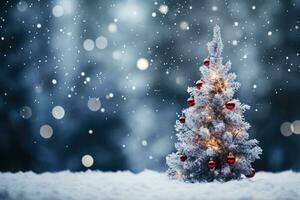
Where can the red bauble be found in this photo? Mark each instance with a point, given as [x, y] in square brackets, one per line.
[191, 101]
[230, 105]
[199, 84]
[206, 62]
[182, 119]
[230, 159]
[211, 164]
[183, 158]
[252, 173]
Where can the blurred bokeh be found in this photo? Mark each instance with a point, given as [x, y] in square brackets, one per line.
[99, 84]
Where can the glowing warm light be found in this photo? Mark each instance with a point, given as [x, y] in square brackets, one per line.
[219, 85]
[178, 173]
[210, 113]
[237, 158]
[213, 143]
[226, 84]
[213, 75]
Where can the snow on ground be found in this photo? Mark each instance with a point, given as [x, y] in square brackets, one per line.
[94, 185]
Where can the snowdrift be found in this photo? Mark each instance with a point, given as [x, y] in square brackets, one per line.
[147, 185]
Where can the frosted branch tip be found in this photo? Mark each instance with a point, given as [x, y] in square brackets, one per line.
[215, 47]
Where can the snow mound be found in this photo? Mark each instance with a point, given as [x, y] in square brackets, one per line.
[147, 185]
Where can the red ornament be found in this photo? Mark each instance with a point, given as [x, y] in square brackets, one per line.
[191, 101]
[183, 158]
[206, 62]
[199, 84]
[230, 105]
[230, 159]
[252, 174]
[182, 119]
[211, 164]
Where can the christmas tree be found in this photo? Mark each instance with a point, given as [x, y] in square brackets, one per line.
[213, 142]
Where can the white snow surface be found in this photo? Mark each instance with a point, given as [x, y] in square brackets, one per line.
[147, 185]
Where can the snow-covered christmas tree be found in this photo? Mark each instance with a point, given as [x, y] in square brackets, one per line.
[213, 142]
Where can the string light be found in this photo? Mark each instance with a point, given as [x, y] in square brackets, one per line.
[237, 158]
[178, 173]
[213, 143]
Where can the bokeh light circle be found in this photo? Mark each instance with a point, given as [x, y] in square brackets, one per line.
[94, 104]
[58, 11]
[87, 160]
[25, 112]
[142, 64]
[46, 131]
[286, 129]
[88, 44]
[296, 126]
[58, 112]
[101, 42]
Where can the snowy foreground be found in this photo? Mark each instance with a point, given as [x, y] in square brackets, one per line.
[94, 185]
